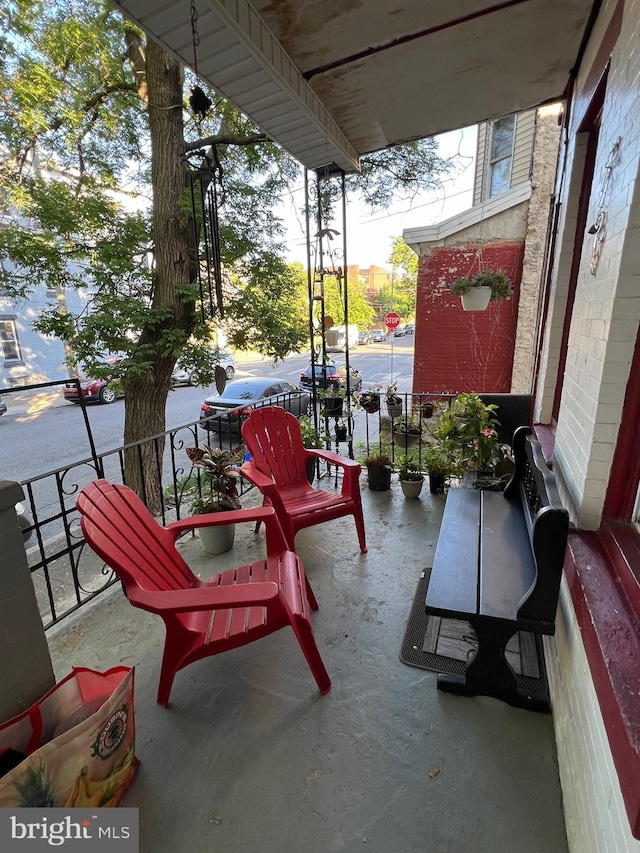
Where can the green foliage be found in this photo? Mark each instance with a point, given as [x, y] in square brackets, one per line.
[408, 469]
[360, 311]
[313, 436]
[76, 81]
[375, 459]
[436, 460]
[497, 280]
[466, 432]
[220, 471]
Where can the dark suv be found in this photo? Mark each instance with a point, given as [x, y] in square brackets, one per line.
[335, 377]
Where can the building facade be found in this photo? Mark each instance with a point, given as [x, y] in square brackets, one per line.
[506, 228]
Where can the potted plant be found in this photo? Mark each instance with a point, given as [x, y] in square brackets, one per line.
[437, 463]
[478, 290]
[411, 477]
[466, 429]
[313, 436]
[331, 402]
[341, 429]
[394, 400]
[369, 400]
[218, 494]
[406, 433]
[379, 470]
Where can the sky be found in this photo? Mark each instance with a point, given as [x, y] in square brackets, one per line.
[370, 236]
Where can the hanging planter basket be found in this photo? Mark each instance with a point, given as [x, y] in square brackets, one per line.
[372, 405]
[476, 299]
[394, 407]
[476, 291]
[405, 440]
[332, 407]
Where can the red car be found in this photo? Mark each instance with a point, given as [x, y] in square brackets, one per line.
[92, 391]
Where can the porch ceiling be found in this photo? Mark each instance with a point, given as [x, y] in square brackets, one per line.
[331, 80]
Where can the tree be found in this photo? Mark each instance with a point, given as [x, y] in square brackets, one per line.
[400, 295]
[360, 311]
[85, 96]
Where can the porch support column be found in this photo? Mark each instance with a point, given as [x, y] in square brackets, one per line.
[26, 671]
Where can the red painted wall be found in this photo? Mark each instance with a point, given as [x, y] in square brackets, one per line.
[458, 350]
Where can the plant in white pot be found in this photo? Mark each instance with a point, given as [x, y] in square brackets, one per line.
[411, 477]
[477, 291]
[406, 432]
[219, 492]
[393, 400]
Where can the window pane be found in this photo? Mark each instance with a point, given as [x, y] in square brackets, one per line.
[502, 137]
[9, 341]
[500, 176]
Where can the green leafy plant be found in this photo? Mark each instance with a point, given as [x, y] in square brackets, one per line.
[391, 395]
[313, 436]
[378, 459]
[499, 282]
[369, 400]
[407, 426]
[435, 460]
[220, 473]
[408, 469]
[467, 433]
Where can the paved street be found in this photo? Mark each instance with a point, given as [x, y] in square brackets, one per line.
[41, 432]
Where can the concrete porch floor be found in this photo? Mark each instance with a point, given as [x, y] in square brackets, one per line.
[249, 758]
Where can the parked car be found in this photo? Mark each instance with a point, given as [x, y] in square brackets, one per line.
[399, 331]
[93, 391]
[221, 412]
[183, 376]
[3, 407]
[364, 337]
[335, 377]
[378, 336]
[409, 329]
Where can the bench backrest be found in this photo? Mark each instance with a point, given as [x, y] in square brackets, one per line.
[513, 410]
[534, 484]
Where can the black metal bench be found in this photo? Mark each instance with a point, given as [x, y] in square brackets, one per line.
[498, 566]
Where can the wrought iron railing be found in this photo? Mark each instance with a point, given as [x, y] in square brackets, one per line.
[67, 575]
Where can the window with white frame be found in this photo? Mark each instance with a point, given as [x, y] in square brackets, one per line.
[9, 340]
[503, 131]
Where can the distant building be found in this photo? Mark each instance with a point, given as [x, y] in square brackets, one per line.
[506, 229]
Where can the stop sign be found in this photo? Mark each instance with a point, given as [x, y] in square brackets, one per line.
[392, 320]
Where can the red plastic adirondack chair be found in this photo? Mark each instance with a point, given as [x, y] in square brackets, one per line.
[202, 618]
[278, 469]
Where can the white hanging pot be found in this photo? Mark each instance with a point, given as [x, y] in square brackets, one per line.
[476, 299]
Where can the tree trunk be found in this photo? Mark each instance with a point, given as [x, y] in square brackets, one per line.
[146, 391]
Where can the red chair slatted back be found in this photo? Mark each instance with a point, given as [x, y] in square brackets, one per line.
[122, 531]
[275, 442]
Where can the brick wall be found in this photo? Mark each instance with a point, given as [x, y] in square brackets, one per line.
[465, 351]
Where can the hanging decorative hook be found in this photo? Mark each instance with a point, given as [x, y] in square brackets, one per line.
[199, 102]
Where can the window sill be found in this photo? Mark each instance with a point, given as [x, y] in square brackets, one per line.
[603, 572]
[546, 435]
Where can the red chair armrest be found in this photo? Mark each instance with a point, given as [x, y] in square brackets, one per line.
[211, 519]
[334, 458]
[204, 598]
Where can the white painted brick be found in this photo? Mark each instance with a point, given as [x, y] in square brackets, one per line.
[596, 819]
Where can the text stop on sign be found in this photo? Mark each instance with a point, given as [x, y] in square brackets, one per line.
[392, 320]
